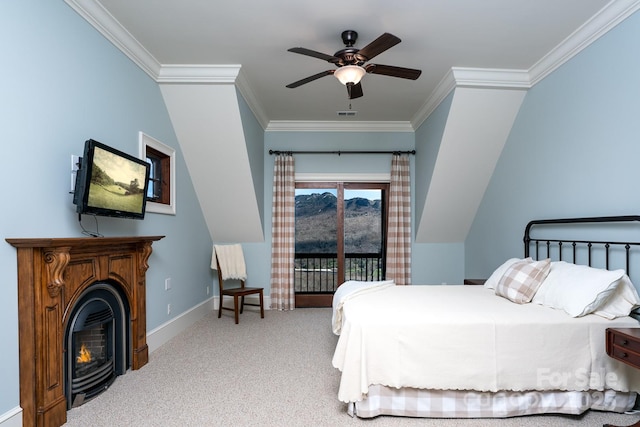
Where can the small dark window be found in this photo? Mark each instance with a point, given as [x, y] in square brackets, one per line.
[159, 177]
[161, 196]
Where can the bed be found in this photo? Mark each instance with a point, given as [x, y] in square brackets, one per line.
[531, 340]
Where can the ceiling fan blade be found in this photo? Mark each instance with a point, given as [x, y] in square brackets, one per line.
[378, 46]
[388, 70]
[314, 54]
[354, 90]
[310, 79]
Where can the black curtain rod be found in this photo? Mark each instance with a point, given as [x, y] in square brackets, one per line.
[276, 152]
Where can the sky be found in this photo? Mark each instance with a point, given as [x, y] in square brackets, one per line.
[117, 167]
[349, 194]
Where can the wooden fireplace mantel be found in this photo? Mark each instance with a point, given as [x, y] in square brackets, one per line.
[52, 274]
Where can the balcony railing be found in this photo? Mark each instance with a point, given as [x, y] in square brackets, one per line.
[318, 273]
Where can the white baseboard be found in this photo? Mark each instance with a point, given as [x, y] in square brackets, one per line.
[155, 338]
[12, 418]
[173, 327]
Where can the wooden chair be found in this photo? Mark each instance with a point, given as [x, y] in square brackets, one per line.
[238, 293]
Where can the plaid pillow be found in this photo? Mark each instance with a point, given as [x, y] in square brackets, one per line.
[521, 281]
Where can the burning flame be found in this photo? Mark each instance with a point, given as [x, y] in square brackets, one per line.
[85, 355]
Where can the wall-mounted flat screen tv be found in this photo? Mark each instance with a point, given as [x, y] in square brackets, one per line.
[110, 183]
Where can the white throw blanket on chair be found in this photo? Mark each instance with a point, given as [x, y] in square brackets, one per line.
[231, 260]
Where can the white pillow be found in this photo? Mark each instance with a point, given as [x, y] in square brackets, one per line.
[621, 302]
[495, 277]
[580, 290]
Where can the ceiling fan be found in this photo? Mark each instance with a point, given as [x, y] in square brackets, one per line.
[351, 62]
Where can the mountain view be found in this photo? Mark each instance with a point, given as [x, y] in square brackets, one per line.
[316, 224]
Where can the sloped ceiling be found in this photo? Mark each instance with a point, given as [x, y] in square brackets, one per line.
[525, 40]
[477, 126]
[208, 125]
[256, 34]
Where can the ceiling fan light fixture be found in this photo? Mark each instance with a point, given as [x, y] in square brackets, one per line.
[350, 74]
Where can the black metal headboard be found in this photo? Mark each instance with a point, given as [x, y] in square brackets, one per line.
[545, 247]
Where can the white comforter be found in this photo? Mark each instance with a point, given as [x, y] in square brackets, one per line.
[351, 289]
[467, 338]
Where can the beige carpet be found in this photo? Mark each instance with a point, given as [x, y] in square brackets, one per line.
[274, 371]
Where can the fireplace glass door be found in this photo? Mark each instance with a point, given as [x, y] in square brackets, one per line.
[96, 344]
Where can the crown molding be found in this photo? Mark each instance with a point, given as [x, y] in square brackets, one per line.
[215, 74]
[96, 15]
[606, 19]
[491, 78]
[487, 78]
[337, 126]
[252, 100]
[446, 85]
[610, 16]
[185, 73]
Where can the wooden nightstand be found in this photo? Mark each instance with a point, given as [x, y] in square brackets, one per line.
[474, 281]
[623, 344]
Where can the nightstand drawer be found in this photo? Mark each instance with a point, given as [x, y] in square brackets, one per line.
[625, 342]
[623, 337]
[624, 355]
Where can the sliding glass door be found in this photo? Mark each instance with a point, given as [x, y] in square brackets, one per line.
[340, 235]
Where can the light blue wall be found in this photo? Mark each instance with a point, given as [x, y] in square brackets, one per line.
[431, 263]
[61, 84]
[254, 138]
[428, 140]
[573, 150]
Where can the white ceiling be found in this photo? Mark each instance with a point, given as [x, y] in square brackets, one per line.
[436, 36]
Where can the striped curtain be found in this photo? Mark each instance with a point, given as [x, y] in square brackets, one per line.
[399, 230]
[283, 234]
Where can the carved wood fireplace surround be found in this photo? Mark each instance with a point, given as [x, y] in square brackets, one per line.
[52, 274]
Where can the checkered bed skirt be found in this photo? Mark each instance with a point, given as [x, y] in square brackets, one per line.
[410, 402]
